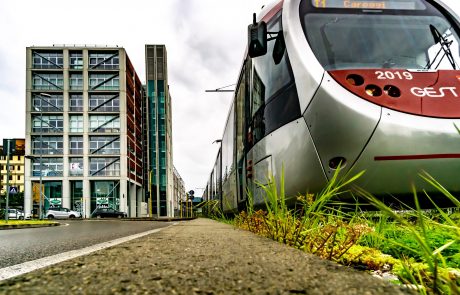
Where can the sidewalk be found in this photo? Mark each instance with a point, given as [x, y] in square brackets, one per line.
[198, 257]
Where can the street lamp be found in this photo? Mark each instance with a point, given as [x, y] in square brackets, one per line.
[7, 179]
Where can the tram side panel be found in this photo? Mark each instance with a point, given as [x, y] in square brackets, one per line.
[279, 137]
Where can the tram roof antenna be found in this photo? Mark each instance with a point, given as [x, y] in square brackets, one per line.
[220, 89]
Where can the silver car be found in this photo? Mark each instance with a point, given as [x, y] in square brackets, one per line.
[15, 214]
[61, 213]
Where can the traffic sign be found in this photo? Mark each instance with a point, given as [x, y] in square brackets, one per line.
[13, 190]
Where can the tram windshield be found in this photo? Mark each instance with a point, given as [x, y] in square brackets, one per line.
[369, 34]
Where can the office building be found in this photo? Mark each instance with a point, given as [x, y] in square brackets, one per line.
[84, 129]
[159, 131]
[178, 193]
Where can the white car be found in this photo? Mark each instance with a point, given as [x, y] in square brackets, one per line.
[59, 212]
[15, 214]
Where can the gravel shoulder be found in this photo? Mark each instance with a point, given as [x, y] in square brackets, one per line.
[201, 256]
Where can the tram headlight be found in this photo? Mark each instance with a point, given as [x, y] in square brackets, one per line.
[392, 91]
[373, 90]
[355, 80]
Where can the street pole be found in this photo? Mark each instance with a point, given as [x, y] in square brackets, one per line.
[7, 178]
[150, 193]
[40, 214]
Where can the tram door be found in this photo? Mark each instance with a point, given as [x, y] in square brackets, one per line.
[242, 113]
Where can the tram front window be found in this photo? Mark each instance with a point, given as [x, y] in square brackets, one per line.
[352, 38]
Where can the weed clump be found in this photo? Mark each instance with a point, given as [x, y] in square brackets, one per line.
[315, 225]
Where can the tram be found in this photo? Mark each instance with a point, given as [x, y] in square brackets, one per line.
[373, 85]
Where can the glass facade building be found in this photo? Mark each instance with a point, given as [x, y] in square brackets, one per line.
[84, 129]
[159, 135]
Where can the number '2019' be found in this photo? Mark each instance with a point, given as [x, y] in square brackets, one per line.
[384, 75]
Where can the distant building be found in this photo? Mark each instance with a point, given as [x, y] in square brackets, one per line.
[16, 177]
[84, 121]
[159, 125]
[179, 192]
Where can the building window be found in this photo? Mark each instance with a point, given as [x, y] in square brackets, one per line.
[105, 194]
[53, 193]
[76, 195]
[104, 103]
[42, 103]
[104, 124]
[76, 60]
[104, 167]
[104, 60]
[104, 82]
[76, 166]
[49, 145]
[76, 102]
[104, 145]
[47, 124]
[75, 123]
[47, 60]
[47, 81]
[76, 145]
[76, 81]
[50, 167]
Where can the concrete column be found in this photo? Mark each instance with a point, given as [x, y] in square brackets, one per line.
[66, 193]
[132, 200]
[28, 195]
[140, 194]
[86, 198]
[124, 196]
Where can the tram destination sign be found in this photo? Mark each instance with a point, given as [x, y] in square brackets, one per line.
[364, 4]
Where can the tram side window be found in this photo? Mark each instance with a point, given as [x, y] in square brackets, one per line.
[274, 95]
[227, 146]
[272, 77]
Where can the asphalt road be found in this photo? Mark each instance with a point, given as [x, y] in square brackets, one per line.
[201, 256]
[21, 245]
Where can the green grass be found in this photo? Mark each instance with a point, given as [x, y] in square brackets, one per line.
[25, 222]
[421, 249]
[429, 248]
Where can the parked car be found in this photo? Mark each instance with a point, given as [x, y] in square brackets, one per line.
[13, 214]
[59, 212]
[108, 212]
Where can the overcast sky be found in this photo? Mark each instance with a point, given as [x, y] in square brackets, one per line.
[205, 41]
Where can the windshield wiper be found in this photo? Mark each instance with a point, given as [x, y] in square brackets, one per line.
[327, 45]
[445, 47]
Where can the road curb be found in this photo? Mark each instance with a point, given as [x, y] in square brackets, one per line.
[19, 226]
[165, 219]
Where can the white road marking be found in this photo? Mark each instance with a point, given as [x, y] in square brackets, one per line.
[23, 268]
